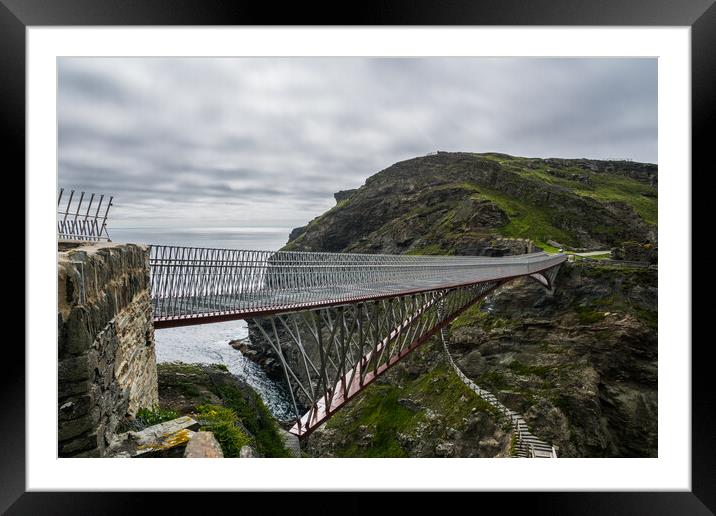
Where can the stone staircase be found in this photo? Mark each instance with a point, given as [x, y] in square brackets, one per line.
[527, 445]
[291, 442]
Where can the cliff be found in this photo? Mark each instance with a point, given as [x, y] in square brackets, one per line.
[580, 365]
[461, 203]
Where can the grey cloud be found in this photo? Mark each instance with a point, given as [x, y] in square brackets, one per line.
[266, 141]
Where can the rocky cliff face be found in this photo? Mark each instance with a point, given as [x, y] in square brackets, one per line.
[459, 203]
[580, 365]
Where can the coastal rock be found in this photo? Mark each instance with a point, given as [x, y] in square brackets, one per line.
[247, 452]
[580, 363]
[203, 445]
[166, 439]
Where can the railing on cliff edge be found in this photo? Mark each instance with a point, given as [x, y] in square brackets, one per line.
[83, 216]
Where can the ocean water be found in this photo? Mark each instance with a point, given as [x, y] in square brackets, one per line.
[264, 238]
[209, 344]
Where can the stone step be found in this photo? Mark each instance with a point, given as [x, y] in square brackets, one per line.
[291, 442]
[528, 443]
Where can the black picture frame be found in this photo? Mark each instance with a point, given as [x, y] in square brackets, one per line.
[700, 15]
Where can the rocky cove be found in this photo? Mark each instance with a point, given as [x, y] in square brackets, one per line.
[578, 362]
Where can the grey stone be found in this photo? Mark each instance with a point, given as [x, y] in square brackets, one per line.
[75, 427]
[203, 445]
[76, 445]
[445, 449]
[104, 324]
[154, 439]
[74, 407]
[247, 452]
[71, 388]
[77, 338]
[73, 369]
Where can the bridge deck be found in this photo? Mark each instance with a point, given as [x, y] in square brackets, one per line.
[192, 285]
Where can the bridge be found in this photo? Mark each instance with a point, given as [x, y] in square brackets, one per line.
[336, 321]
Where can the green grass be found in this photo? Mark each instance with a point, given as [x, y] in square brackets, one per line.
[650, 317]
[223, 422]
[155, 415]
[256, 418]
[547, 248]
[528, 370]
[625, 189]
[379, 413]
[493, 381]
[602, 187]
[475, 316]
[604, 256]
[588, 315]
[195, 383]
[526, 221]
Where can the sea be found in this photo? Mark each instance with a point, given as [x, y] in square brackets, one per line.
[209, 343]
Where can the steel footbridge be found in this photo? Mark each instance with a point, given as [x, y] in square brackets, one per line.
[335, 321]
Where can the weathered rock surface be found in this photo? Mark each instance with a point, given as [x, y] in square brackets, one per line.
[580, 365]
[203, 445]
[168, 439]
[459, 203]
[247, 452]
[107, 364]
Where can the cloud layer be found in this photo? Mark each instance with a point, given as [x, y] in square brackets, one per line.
[266, 141]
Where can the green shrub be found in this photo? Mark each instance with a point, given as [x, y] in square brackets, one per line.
[155, 415]
[223, 422]
[256, 418]
[588, 315]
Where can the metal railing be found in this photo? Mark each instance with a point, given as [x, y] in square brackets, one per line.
[190, 281]
[83, 216]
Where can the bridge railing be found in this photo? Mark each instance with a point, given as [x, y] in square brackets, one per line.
[190, 280]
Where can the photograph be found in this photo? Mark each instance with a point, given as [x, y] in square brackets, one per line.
[396, 250]
[346, 257]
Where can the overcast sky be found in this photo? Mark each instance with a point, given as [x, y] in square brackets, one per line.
[266, 141]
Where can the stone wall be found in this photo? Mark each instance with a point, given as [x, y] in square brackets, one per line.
[513, 246]
[107, 364]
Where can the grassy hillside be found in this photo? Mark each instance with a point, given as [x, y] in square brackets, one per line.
[460, 203]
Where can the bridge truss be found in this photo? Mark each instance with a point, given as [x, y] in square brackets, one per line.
[336, 322]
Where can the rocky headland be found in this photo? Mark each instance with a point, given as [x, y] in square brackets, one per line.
[579, 364]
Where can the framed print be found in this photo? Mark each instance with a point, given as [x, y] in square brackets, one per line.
[386, 256]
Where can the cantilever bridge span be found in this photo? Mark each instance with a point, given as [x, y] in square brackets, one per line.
[335, 321]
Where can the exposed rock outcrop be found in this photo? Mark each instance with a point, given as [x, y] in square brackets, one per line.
[580, 365]
[457, 203]
[186, 388]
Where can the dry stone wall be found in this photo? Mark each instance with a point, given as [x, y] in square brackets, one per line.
[106, 355]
